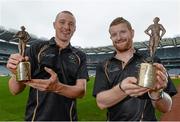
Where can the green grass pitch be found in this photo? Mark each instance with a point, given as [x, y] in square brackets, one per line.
[12, 108]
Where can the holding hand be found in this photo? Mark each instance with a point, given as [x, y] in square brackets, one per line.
[161, 82]
[14, 60]
[50, 84]
[130, 87]
[161, 77]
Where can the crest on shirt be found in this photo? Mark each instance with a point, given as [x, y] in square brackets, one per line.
[73, 59]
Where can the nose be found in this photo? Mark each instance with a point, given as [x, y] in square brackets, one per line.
[118, 36]
[67, 26]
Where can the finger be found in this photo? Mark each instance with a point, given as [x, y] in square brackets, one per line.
[36, 85]
[11, 66]
[136, 94]
[139, 90]
[51, 72]
[39, 81]
[26, 58]
[163, 76]
[132, 80]
[162, 83]
[160, 67]
[13, 61]
[17, 57]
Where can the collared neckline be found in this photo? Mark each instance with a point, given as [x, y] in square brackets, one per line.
[52, 42]
[135, 53]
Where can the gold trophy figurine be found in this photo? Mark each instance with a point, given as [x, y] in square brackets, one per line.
[23, 72]
[147, 77]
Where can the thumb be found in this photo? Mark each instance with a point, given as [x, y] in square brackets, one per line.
[133, 80]
[26, 58]
[51, 72]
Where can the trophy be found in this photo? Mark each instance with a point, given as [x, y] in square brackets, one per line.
[147, 76]
[23, 72]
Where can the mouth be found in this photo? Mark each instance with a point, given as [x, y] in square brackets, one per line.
[66, 32]
[120, 41]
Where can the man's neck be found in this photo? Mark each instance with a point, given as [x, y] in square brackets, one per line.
[126, 55]
[61, 44]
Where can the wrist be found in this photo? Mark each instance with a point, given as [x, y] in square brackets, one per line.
[13, 76]
[58, 87]
[156, 95]
[121, 88]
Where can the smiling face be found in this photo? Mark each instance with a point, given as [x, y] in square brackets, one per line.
[121, 36]
[65, 26]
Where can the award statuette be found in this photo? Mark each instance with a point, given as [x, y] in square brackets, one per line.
[23, 72]
[147, 76]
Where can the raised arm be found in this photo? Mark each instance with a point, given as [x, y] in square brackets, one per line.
[14, 86]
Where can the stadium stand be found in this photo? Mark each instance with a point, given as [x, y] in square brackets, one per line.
[7, 48]
[4, 71]
[168, 51]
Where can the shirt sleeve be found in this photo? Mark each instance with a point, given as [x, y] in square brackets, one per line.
[170, 89]
[101, 82]
[83, 72]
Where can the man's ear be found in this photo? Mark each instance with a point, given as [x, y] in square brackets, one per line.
[132, 31]
[54, 24]
[74, 28]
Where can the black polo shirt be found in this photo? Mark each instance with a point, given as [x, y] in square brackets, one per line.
[70, 65]
[109, 73]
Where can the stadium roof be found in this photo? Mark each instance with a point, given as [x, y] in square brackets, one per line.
[7, 35]
[164, 43]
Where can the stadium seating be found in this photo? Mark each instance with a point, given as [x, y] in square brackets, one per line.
[4, 70]
[168, 50]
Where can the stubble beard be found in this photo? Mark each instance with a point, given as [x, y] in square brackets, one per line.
[125, 48]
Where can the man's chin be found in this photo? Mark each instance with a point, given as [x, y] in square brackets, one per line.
[121, 49]
[65, 39]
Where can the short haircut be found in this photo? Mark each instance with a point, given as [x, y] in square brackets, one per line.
[66, 12]
[120, 20]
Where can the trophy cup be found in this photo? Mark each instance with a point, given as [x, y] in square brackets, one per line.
[23, 72]
[147, 76]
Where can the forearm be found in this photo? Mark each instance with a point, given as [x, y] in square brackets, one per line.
[110, 97]
[15, 87]
[163, 105]
[75, 91]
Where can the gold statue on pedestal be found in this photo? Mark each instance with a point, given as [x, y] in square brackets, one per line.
[147, 70]
[23, 37]
[24, 67]
[156, 34]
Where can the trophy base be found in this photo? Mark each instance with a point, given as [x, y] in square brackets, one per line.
[147, 77]
[23, 71]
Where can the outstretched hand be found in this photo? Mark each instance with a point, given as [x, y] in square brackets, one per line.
[130, 87]
[45, 84]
